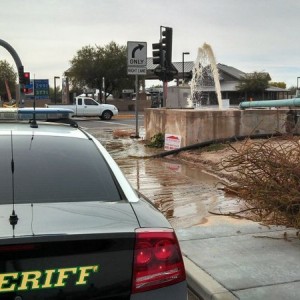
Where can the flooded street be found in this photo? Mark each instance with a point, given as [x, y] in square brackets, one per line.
[183, 192]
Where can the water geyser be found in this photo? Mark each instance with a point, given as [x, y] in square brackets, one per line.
[205, 75]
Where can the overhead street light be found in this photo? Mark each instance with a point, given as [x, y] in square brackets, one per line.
[55, 77]
[183, 54]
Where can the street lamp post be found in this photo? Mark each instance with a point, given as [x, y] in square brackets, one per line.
[183, 54]
[55, 77]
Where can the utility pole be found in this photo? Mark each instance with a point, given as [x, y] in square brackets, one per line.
[183, 54]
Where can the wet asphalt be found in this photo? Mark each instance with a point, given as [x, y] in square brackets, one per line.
[183, 192]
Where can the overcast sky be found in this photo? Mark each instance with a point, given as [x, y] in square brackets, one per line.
[250, 35]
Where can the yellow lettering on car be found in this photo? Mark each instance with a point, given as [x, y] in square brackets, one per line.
[52, 278]
[63, 274]
[31, 278]
[48, 278]
[5, 282]
[85, 272]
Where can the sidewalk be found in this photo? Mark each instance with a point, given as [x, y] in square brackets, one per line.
[228, 258]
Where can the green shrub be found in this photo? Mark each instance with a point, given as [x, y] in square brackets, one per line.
[157, 141]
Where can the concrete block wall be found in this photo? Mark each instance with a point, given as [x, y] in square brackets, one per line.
[196, 126]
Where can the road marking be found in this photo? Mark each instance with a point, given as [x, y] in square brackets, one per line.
[116, 123]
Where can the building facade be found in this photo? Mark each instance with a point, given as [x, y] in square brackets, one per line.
[230, 78]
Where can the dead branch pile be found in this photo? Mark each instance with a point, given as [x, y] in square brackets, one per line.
[267, 176]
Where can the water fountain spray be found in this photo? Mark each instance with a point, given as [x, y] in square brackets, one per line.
[205, 76]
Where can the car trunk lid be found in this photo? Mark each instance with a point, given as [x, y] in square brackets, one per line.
[67, 251]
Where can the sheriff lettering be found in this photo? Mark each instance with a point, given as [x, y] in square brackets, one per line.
[52, 278]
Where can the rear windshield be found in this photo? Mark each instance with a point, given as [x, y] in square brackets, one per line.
[54, 169]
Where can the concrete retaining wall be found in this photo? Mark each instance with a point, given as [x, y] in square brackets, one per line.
[196, 126]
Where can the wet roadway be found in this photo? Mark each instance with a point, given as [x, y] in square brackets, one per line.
[183, 192]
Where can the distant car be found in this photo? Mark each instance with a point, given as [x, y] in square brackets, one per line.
[72, 227]
[88, 107]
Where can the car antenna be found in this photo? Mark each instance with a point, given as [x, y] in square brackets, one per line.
[13, 219]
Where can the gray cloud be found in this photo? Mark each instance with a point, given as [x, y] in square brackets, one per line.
[251, 35]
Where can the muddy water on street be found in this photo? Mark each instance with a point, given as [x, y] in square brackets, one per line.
[183, 192]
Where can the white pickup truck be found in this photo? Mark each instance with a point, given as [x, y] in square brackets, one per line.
[88, 107]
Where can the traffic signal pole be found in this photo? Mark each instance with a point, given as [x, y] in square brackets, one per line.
[165, 91]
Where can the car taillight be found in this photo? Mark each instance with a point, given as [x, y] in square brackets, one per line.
[157, 260]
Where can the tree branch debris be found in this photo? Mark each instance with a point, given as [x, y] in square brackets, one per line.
[267, 177]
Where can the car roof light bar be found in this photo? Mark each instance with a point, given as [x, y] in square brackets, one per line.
[40, 113]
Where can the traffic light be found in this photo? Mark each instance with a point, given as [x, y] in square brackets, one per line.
[21, 74]
[25, 90]
[162, 51]
[162, 55]
[166, 41]
[26, 78]
[158, 57]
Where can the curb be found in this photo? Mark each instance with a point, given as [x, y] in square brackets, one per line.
[203, 285]
[125, 116]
